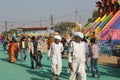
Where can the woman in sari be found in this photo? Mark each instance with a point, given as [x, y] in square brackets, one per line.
[13, 48]
[0, 39]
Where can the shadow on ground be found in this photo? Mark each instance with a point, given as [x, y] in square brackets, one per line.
[36, 79]
[113, 72]
[42, 74]
[5, 59]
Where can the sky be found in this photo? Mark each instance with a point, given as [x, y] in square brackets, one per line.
[29, 13]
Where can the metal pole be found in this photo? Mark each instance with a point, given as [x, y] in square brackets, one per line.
[76, 15]
[6, 25]
[51, 21]
[40, 22]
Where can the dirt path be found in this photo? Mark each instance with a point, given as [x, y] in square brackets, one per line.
[105, 60]
[108, 60]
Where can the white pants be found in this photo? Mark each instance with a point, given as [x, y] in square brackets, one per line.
[81, 72]
[56, 68]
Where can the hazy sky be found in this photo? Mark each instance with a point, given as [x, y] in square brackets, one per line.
[29, 12]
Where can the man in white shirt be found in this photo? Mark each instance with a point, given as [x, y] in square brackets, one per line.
[76, 58]
[55, 50]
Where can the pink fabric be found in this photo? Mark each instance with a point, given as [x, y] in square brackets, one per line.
[0, 39]
[115, 35]
[110, 22]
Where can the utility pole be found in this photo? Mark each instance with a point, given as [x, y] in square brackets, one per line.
[40, 22]
[6, 25]
[51, 19]
[23, 25]
[80, 19]
[11, 25]
[76, 15]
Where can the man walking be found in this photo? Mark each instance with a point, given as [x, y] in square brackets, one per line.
[76, 58]
[55, 50]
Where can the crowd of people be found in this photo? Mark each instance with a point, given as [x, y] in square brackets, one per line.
[107, 6]
[23, 45]
[78, 48]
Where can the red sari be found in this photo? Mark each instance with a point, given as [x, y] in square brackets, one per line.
[13, 48]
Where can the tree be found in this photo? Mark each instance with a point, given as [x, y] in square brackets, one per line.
[12, 31]
[64, 27]
[94, 14]
[90, 20]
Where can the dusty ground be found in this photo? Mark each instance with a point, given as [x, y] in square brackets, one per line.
[108, 60]
[105, 60]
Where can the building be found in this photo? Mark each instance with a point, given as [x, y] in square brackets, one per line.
[34, 31]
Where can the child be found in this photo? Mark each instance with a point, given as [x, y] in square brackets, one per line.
[38, 58]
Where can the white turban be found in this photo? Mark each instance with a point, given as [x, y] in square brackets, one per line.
[79, 34]
[58, 37]
[56, 33]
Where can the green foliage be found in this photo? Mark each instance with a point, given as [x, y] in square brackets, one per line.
[64, 27]
[12, 31]
[94, 14]
[90, 20]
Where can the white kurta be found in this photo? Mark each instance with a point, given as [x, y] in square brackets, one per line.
[77, 58]
[55, 50]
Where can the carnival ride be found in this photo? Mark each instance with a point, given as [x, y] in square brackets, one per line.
[106, 28]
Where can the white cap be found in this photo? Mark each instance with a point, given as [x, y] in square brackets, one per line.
[79, 34]
[58, 37]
